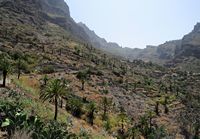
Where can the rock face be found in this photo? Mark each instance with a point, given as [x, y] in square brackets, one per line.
[167, 50]
[191, 43]
[40, 12]
[110, 47]
[55, 7]
[98, 41]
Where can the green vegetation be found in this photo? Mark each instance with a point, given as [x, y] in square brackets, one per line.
[52, 66]
[5, 66]
[75, 106]
[83, 76]
[91, 110]
[105, 106]
[14, 119]
[53, 92]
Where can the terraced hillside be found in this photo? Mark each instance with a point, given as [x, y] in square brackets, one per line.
[105, 96]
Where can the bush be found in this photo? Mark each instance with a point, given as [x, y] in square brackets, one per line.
[14, 120]
[48, 69]
[75, 106]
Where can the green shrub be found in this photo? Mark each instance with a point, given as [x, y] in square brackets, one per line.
[13, 119]
[47, 69]
[75, 106]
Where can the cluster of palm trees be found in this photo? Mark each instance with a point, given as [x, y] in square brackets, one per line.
[54, 90]
[7, 64]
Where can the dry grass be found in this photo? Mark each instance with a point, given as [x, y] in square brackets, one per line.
[21, 134]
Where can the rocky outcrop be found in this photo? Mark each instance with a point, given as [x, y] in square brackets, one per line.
[190, 44]
[40, 12]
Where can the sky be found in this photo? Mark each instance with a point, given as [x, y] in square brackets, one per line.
[137, 23]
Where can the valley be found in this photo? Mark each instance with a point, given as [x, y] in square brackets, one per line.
[60, 83]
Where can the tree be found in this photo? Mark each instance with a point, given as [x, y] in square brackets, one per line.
[55, 90]
[83, 76]
[45, 80]
[133, 132]
[165, 104]
[189, 116]
[150, 115]
[75, 106]
[107, 125]
[157, 108]
[5, 66]
[20, 62]
[105, 104]
[122, 120]
[91, 111]
[21, 65]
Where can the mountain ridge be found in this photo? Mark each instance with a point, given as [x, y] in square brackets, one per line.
[161, 54]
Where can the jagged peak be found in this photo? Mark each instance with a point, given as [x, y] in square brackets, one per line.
[55, 6]
[197, 27]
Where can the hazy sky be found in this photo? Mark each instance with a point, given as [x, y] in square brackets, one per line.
[137, 23]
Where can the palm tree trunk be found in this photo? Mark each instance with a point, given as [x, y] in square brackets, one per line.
[105, 112]
[19, 73]
[83, 83]
[56, 108]
[61, 102]
[4, 78]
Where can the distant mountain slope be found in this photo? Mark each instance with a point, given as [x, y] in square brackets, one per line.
[163, 54]
[42, 12]
[102, 44]
[190, 43]
[159, 54]
[49, 16]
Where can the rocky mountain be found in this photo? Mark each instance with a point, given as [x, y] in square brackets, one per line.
[102, 44]
[190, 44]
[157, 54]
[41, 13]
[162, 54]
[42, 50]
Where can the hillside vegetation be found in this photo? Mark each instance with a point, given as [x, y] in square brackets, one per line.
[56, 84]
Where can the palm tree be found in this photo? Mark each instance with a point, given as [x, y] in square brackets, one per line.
[133, 132]
[83, 76]
[157, 108]
[122, 119]
[165, 104]
[106, 103]
[45, 80]
[5, 66]
[21, 64]
[91, 111]
[55, 90]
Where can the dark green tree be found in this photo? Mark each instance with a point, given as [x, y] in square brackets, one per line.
[157, 108]
[5, 66]
[91, 110]
[122, 118]
[21, 65]
[165, 104]
[83, 76]
[45, 80]
[105, 105]
[53, 92]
